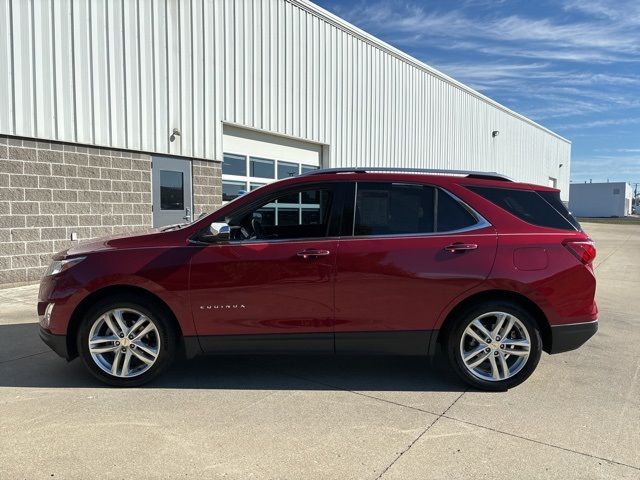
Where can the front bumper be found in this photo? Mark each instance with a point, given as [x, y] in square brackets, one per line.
[58, 343]
[570, 337]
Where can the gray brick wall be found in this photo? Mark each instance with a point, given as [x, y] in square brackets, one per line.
[50, 190]
[207, 186]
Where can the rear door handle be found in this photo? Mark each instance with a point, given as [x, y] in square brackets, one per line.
[313, 253]
[460, 247]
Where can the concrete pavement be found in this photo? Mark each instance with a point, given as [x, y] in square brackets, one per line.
[578, 416]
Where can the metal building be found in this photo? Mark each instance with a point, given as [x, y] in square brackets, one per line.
[99, 98]
[600, 199]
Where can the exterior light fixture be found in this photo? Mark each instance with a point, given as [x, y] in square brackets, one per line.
[495, 133]
[174, 134]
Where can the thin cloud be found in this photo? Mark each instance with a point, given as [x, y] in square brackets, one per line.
[602, 123]
[572, 66]
[408, 23]
[623, 12]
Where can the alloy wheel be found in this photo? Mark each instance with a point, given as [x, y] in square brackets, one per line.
[495, 346]
[124, 342]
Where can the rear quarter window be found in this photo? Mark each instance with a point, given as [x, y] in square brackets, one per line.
[530, 206]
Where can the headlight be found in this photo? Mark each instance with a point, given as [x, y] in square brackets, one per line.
[58, 266]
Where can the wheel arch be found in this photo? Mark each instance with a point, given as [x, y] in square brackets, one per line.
[493, 295]
[110, 291]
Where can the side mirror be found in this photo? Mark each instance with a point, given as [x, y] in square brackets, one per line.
[217, 232]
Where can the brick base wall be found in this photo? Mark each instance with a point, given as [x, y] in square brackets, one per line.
[207, 186]
[50, 190]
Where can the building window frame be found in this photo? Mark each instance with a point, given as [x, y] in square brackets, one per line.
[251, 182]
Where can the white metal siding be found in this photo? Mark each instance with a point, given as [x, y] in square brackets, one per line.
[124, 73]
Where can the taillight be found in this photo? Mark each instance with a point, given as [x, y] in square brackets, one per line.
[584, 250]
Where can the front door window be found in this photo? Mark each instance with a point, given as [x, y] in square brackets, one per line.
[295, 214]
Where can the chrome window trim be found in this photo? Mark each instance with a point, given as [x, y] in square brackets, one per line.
[419, 235]
[355, 203]
[273, 240]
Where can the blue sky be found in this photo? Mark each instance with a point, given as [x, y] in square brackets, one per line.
[570, 65]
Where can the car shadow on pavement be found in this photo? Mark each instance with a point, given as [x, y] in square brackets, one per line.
[25, 361]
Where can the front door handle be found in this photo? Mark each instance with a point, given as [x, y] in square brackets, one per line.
[460, 247]
[313, 253]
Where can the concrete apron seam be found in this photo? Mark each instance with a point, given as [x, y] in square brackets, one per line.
[22, 358]
[624, 242]
[438, 415]
[399, 456]
[539, 442]
[443, 415]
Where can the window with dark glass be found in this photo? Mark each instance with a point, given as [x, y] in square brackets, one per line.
[266, 216]
[262, 168]
[533, 207]
[231, 190]
[553, 199]
[452, 215]
[393, 208]
[286, 169]
[288, 216]
[234, 165]
[293, 198]
[281, 218]
[253, 186]
[397, 208]
[310, 216]
[308, 168]
[171, 190]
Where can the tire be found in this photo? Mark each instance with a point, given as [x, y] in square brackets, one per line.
[156, 345]
[494, 375]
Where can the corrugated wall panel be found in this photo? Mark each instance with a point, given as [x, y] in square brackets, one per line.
[45, 90]
[82, 62]
[6, 67]
[22, 65]
[100, 74]
[125, 73]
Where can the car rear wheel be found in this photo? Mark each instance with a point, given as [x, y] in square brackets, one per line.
[126, 341]
[494, 346]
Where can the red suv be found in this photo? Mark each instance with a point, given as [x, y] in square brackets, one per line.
[490, 271]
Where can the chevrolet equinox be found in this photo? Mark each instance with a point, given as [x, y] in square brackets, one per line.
[489, 271]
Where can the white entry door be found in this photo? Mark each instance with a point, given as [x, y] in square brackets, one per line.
[172, 199]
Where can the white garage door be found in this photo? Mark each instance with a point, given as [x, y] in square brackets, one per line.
[253, 159]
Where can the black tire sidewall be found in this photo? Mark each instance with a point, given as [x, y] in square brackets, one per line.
[157, 316]
[463, 320]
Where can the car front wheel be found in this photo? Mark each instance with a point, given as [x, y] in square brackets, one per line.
[126, 341]
[494, 346]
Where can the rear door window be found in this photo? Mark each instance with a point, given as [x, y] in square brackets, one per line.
[530, 206]
[393, 208]
[384, 208]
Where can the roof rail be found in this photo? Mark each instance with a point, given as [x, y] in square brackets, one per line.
[432, 171]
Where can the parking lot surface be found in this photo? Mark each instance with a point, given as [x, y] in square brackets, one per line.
[578, 416]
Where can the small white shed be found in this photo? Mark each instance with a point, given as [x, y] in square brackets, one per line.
[611, 199]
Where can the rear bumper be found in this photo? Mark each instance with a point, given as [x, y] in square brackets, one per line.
[57, 343]
[570, 337]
